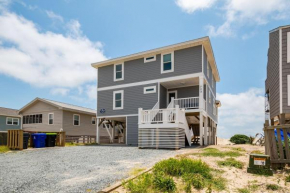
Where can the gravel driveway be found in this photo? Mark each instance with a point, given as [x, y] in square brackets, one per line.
[72, 169]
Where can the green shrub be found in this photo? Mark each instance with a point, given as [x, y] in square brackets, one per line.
[140, 184]
[243, 190]
[231, 162]
[272, 187]
[240, 139]
[287, 179]
[196, 180]
[163, 183]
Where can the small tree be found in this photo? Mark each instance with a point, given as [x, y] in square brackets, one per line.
[240, 139]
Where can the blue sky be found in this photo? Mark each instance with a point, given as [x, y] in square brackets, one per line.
[46, 47]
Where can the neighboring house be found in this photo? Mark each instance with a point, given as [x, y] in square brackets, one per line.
[50, 116]
[9, 119]
[137, 95]
[278, 76]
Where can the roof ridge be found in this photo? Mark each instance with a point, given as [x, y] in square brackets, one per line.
[67, 104]
[9, 108]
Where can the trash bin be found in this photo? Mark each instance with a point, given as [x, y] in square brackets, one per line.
[50, 139]
[39, 140]
[25, 140]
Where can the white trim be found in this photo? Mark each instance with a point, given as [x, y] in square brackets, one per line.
[280, 69]
[74, 119]
[95, 120]
[149, 87]
[159, 94]
[122, 99]
[207, 69]
[12, 121]
[119, 79]
[195, 75]
[172, 62]
[288, 47]
[210, 87]
[150, 60]
[52, 118]
[202, 59]
[172, 91]
[117, 116]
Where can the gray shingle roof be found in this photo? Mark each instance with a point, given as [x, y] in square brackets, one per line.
[69, 106]
[9, 112]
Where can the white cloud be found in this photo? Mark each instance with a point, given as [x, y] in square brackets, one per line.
[250, 12]
[241, 113]
[191, 6]
[54, 16]
[59, 91]
[91, 91]
[46, 59]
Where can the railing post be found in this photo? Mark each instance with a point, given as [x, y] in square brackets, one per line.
[140, 116]
[177, 113]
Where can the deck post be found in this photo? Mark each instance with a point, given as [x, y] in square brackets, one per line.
[177, 113]
[98, 132]
[139, 115]
[200, 128]
[206, 131]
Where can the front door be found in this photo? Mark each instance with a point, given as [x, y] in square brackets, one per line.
[171, 94]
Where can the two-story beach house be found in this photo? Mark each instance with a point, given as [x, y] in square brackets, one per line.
[277, 84]
[161, 98]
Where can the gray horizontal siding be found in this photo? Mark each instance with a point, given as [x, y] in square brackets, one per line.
[285, 70]
[210, 106]
[186, 61]
[186, 92]
[134, 98]
[273, 83]
[4, 127]
[210, 77]
[132, 130]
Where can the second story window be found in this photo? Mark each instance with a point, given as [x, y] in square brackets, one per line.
[167, 62]
[118, 100]
[12, 121]
[50, 118]
[119, 72]
[94, 120]
[149, 59]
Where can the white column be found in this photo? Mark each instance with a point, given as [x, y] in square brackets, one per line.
[201, 104]
[98, 132]
[139, 116]
[200, 128]
[177, 113]
[206, 131]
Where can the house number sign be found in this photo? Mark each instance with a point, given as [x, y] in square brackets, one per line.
[102, 110]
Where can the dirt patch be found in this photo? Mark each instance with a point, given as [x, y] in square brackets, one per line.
[238, 180]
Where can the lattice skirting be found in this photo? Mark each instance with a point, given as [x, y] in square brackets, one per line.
[163, 138]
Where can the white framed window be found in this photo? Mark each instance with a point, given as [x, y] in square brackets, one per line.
[167, 62]
[50, 118]
[150, 59]
[94, 120]
[12, 121]
[207, 69]
[118, 100]
[119, 72]
[76, 119]
[288, 47]
[149, 89]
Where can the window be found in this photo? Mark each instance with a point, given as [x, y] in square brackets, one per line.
[119, 72]
[288, 47]
[50, 118]
[149, 59]
[167, 62]
[149, 89]
[12, 121]
[76, 120]
[207, 69]
[118, 100]
[94, 120]
[32, 119]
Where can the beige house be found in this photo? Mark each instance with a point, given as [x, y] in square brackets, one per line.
[52, 116]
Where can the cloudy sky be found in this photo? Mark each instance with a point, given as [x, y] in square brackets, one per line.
[46, 47]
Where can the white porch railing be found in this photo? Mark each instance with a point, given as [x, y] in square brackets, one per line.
[189, 103]
[169, 115]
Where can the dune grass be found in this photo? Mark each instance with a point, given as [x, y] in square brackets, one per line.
[213, 152]
[4, 149]
[231, 162]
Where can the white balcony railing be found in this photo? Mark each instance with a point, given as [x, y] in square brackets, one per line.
[189, 103]
[169, 115]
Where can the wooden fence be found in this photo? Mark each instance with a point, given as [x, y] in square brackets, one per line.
[81, 138]
[277, 143]
[15, 139]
